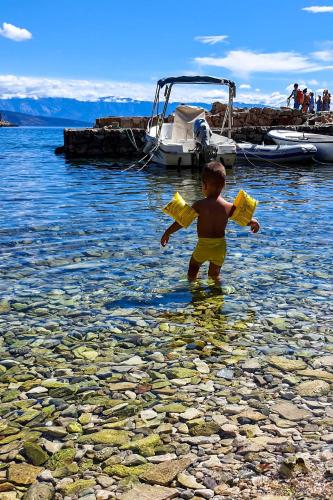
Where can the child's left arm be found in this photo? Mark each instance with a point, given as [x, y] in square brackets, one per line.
[171, 229]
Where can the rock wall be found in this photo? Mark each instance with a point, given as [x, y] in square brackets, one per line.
[269, 117]
[257, 135]
[242, 117]
[103, 142]
[122, 122]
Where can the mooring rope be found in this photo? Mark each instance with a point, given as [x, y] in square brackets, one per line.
[131, 137]
[150, 154]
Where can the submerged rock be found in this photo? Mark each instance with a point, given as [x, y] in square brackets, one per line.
[35, 453]
[39, 491]
[313, 388]
[23, 474]
[147, 492]
[290, 411]
[164, 472]
[286, 364]
[106, 436]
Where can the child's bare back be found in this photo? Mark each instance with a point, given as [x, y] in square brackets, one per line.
[213, 216]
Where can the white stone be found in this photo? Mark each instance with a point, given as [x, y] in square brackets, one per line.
[37, 390]
[148, 414]
[219, 419]
[156, 459]
[201, 366]
[133, 361]
[212, 463]
[190, 414]
[204, 492]
[188, 481]
[157, 356]
[207, 387]
[104, 495]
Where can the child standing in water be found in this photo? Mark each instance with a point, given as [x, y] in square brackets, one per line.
[213, 216]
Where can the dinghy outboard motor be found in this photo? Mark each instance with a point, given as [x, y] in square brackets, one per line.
[202, 135]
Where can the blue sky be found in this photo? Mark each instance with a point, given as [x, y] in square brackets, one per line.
[87, 49]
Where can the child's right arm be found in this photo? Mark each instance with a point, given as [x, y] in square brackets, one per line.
[171, 229]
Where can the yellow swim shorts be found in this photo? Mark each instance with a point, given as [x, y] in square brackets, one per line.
[212, 249]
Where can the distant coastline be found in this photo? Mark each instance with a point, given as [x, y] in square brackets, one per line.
[16, 119]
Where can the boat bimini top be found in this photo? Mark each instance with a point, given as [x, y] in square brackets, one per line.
[157, 117]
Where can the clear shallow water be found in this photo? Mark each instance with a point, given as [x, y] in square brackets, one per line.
[79, 243]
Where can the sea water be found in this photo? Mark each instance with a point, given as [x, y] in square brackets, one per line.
[80, 243]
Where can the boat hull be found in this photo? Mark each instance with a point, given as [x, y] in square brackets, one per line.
[323, 143]
[172, 156]
[281, 154]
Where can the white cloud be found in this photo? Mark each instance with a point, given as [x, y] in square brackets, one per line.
[245, 86]
[245, 62]
[323, 55]
[319, 9]
[14, 33]
[211, 39]
[313, 82]
[25, 86]
[34, 87]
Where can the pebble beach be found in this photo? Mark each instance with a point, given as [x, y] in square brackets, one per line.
[120, 380]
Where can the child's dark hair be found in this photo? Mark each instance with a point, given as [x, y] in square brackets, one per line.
[214, 173]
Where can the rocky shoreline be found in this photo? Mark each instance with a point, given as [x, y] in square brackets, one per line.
[4, 123]
[156, 407]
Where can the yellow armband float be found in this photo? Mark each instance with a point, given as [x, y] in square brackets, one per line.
[245, 208]
[179, 210]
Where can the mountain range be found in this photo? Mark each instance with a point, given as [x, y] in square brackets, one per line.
[84, 111]
[26, 120]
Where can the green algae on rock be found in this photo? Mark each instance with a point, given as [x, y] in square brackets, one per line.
[35, 453]
[76, 486]
[74, 427]
[61, 458]
[23, 474]
[171, 408]
[106, 436]
[145, 446]
[125, 471]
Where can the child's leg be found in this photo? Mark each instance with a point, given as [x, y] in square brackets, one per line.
[193, 269]
[214, 271]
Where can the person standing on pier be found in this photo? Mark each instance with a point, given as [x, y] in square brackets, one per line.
[311, 102]
[294, 95]
[326, 100]
[306, 101]
[319, 104]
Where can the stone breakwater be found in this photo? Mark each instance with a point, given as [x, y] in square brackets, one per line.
[128, 143]
[103, 142]
[121, 137]
[159, 408]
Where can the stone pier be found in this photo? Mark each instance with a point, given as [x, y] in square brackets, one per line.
[108, 142]
[102, 142]
[123, 137]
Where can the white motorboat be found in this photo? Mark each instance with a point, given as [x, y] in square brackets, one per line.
[280, 154]
[188, 140]
[323, 143]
